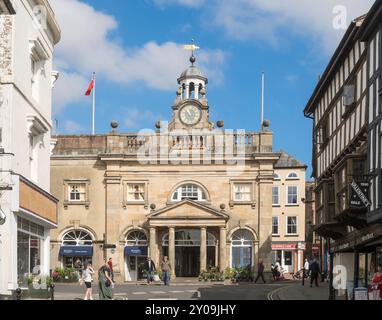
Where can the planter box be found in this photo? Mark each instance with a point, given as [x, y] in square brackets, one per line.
[39, 293]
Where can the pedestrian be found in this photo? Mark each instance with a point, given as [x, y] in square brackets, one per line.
[87, 278]
[306, 268]
[314, 269]
[376, 283]
[110, 264]
[260, 271]
[105, 282]
[166, 269]
[150, 269]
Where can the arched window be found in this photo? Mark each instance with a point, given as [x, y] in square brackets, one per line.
[184, 91]
[192, 91]
[136, 238]
[292, 176]
[276, 176]
[77, 237]
[242, 247]
[189, 191]
[200, 90]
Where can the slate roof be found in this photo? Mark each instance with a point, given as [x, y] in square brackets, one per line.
[287, 161]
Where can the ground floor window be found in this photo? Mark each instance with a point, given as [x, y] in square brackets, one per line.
[76, 262]
[29, 256]
[241, 248]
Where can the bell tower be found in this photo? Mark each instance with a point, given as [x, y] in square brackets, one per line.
[190, 109]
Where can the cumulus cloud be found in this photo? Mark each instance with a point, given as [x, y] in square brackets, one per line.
[72, 127]
[87, 46]
[264, 19]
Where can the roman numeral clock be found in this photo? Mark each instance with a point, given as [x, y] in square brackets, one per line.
[190, 109]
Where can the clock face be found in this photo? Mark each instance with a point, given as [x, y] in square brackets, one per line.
[190, 114]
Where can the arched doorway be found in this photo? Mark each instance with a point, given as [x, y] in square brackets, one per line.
[135, 255]
[187, 251]
[76, 248]
[241, 248]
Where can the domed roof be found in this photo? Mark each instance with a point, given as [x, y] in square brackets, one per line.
[192, 72]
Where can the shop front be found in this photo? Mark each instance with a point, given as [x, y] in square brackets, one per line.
[288, 255]
[135, 255]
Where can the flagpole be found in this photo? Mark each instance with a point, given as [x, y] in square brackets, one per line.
[94, 93]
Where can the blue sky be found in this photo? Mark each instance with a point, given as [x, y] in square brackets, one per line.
[135, 47]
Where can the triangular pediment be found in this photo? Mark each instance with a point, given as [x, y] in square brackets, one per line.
[188, 209]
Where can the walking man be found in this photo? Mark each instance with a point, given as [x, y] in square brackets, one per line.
[150, 268]
[260, 271]
[166, 269]
[314, 272]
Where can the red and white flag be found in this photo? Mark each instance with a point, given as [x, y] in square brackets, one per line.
[90, 88]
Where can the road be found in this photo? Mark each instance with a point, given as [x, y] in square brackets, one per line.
[174, 292]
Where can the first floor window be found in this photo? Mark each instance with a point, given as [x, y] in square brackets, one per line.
[275, 196]
[242, 192]
[136, 192]
[292, 225]
[292, 195]
[77, 192]
[189, 191]
[275, 225]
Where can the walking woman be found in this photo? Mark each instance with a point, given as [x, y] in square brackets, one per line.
[87, 277]
[105, 282]
[166, 269]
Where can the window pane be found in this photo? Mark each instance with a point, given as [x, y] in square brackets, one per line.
[242, 191]
[292, 195]
[275, 195]
[275, 225]
[136, 192]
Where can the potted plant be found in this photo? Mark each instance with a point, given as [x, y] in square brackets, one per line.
[39, 287]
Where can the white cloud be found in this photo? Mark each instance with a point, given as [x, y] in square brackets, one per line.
[87, 45]
[264, 19]
[135, 118]
[72, 127]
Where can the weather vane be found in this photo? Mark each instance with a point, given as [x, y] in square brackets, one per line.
[191, 47]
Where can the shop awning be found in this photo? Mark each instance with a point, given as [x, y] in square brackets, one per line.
[136, 251]
[76, 251]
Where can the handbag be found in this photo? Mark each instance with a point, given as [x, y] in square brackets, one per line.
[107, 283]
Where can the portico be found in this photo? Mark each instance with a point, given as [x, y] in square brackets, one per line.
[189, 224]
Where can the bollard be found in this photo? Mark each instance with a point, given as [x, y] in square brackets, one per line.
[18, 294]
[52, 291]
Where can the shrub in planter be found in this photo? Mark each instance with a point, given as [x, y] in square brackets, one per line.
[65, 275]
[40, 287]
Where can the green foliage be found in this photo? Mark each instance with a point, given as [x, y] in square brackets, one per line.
[239, 273]
[65, 275]
[212, 275]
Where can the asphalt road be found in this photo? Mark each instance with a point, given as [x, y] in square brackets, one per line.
[174, 292]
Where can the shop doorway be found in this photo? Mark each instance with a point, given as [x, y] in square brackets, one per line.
[135, 267]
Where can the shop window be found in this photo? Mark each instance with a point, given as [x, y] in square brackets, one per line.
[288, 258]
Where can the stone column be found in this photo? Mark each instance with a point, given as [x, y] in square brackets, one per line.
[223, 248]
[171, 249]
[203, 248]
[153, 247]
[216, 253]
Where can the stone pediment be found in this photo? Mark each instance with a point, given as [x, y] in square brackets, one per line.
[188, 209]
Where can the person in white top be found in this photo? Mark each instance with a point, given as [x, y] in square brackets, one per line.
[87, 278]
[306, 267]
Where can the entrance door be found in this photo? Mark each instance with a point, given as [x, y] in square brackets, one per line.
[135, 267]
[187, 261]
[288, 261]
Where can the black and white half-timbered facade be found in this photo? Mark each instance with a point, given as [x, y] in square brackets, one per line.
[371, 33]
[346, 112]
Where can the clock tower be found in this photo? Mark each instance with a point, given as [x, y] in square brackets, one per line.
[190, 109]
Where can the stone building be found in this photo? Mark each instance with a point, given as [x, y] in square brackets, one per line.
[190, 190]
[288, 218]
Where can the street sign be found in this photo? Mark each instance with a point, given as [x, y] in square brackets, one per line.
[359, 194]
